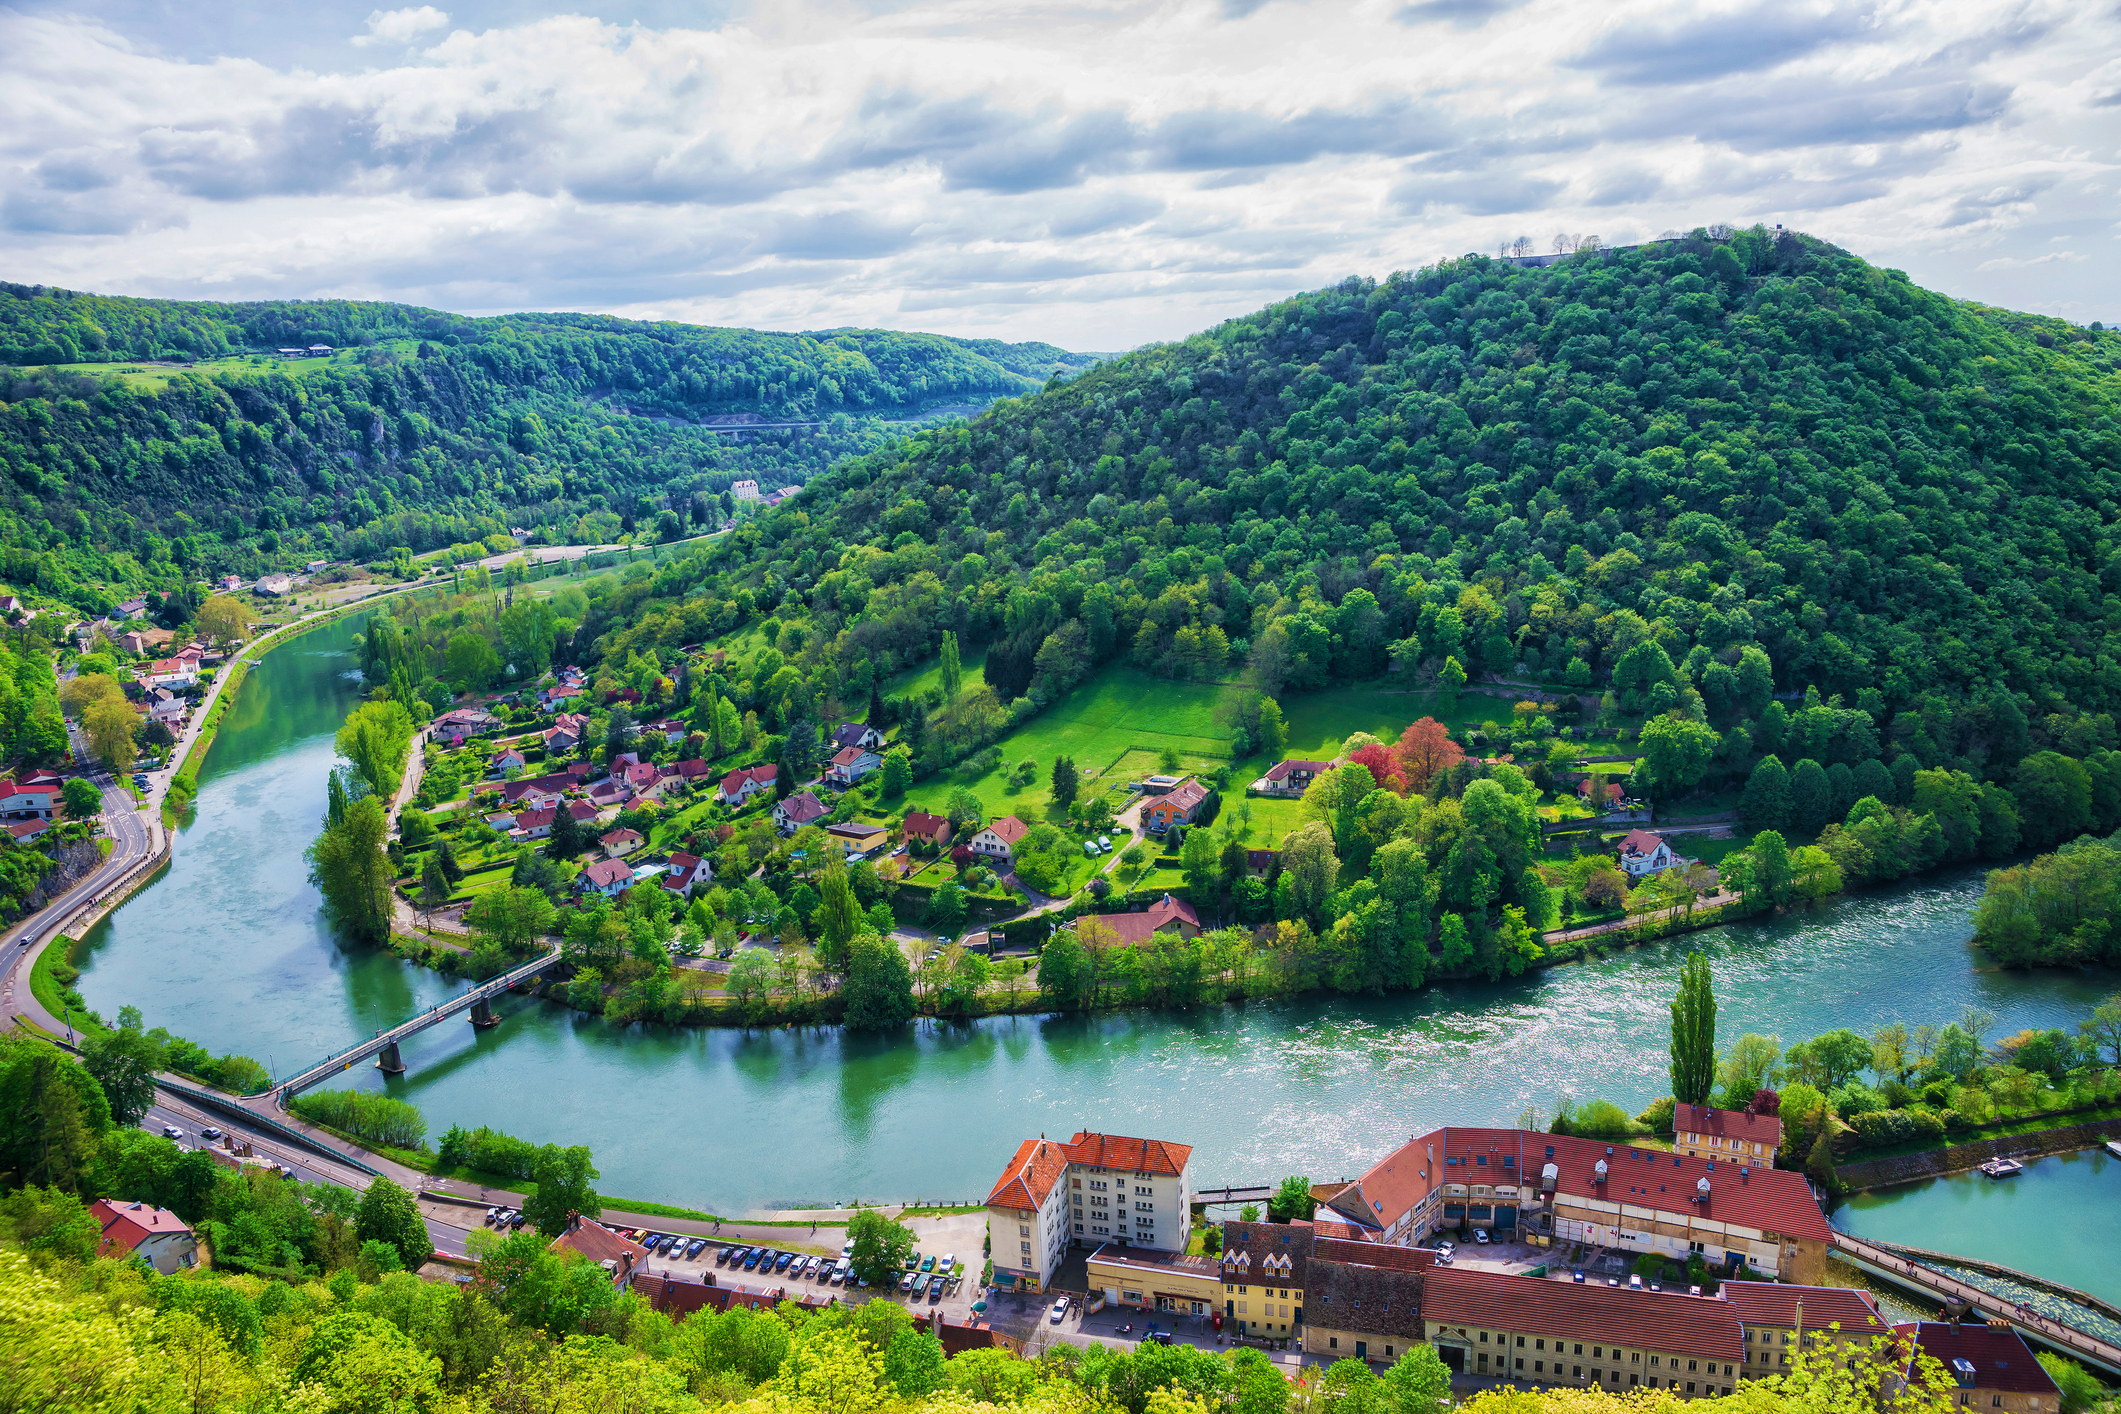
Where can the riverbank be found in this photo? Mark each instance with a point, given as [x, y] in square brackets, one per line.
[2019, 1140]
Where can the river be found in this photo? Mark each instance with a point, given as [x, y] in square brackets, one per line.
[227, 949]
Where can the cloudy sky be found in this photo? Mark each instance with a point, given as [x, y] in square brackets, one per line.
[1094, 172]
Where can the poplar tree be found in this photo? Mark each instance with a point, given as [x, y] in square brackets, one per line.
[1694, 1033]
[953, 669]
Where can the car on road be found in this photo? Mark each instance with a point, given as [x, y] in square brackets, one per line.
[1577, 1276]
[1060, 1309]
[1480, 1235]
[839, 1274]
[170, 1131]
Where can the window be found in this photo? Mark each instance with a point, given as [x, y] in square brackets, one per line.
[1579, 1348]
[1576, 1372]
[1520, 1340]
[1520, 1362]
[1539, 1345]
[1539, 1367]
[1078, 1227]
[1332, 1342]
[1027, 1247]
[1483, 1337]
[1023, 1230]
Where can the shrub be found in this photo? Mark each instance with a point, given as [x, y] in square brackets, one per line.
[377, 1118]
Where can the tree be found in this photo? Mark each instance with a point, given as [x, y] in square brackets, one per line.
[374, 739]
[1694, 1033]
[224, 620]
[1198, 857]
[750, 980]
[566, 841]
[2080, 1389]
[434, 884]
[1273, 729]
[113, 730]
[946, 908]
[1769, 856]
[1418, 1382]
[1676, 752]
[512, 918]
[1766, 801]
[1064, 969]
[1747, 1068]
[839, 916]
[471, 661]
[879, 989]
[1310, 868]
[1811, 797]
[1291, 1200]
[1065, 781]
[389, 1214]
[349, 867]
[881, 1246]
[953, 667]
[1424, 750]
[123, 1063]
[898, 772]
[563, 1178]
[1830, 1060]
[82, 798]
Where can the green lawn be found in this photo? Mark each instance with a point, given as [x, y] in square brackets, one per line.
[484, 882]
[1121, 710]
[916, 680]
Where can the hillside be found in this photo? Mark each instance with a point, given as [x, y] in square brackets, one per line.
[150, 441]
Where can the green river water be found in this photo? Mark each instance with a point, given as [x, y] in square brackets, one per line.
[227, 948]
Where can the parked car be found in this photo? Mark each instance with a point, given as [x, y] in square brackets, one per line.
[1060, 1309]
[847, 1249]
[751, 1258]
[1577, 1277]
[696, 1247]
[721, 1258]
[1104, 842]
[935, 1291]
[780, 1263]
[928, 1263]
[950, 1261]
[515, 1219]
[1445, 1246]
[1635, 1282]
[1480, 1235]
[905, 1283]
[839, 1274]
[491, 1214]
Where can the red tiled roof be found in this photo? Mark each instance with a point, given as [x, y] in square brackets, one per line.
[127, 1225]
[1281, 770]
[926, 826]
[686, 770]
[580, 810]
[1372, 1254]
[1641, 842]
[1140, 927]
[1614, 1315]
[1771, 1303]
[1182, 798]
[763, 775]
[1028, 1181]
[1751, 1128]
[1115, 1151]
[606, 872]
[801, 808]
[1009, 828]
[1998, 1354]
[848, 755]
[536, 819]
[598, 1243]
[621, 837]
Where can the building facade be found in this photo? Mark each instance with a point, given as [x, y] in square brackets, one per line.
[1991, 1367]
[1096, 1190]
[1780, 1321]
[1734, 1136]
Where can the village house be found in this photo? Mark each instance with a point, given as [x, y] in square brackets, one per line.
[798, 810]
[131, 609]
[687, 871]
[509, 758]
[1166, 915]
[609, 793]
[1502, 1325]
[559, 739]
[687, 771]
[601, 1247]
[856, 837]
[23, 831]
[165, 706]
[1178, 806]
[31, 795]
[858, 734]
[739, 786]
[1644, 852]
[534, 824]
[1600, 792]
[609, 877]
[558, 693]
[744, 490]
[998, 840]
[273, 585]
[1261, 863]
[851, 764]
[1274, 1257]
[1735, 1136]
[1289, 777]
[1991, 1365]
[1144, 1279]
[1620, 1197]
[1357, 1298]
[620, 842]
[1093, 1191]
[642, 779]
[170, 672]
[133, 642]
[1769, 1314]
[537, 792]
[154, 1235]
[935, 829]
[669, 728]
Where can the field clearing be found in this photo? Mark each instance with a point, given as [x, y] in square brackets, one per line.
[1120, 711]
[914, 681]
[146, 375]
[484, 882]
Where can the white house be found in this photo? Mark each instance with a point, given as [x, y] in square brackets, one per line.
[1096, 1190]
[999, 839]
[851, 765]
[739, 786]
[859, 734]
[798, 810]
[155, 1235]
[744, 490]
[1645, 852]
[609, 877]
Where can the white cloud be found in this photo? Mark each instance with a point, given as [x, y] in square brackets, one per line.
[2011, 262]
[401, 26]
[1096, 172]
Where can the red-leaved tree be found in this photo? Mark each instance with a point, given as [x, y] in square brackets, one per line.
[1424, 749]
[1383, 766]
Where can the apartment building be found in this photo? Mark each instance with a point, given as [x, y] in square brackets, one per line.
[1559, 1333]
[1731, 1136]
[1780, 1321]
[1552, 1187]
[1096, 1190]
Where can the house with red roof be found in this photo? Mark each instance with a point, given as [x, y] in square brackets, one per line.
[1736, 1136]
[28, 796]
[687, 771]
[1991, 1366]
[534, 824]
[609, 877]
[508, 758]
[23, 831]
[920, 825]
[740, 786]
[1167, 915]
[155, 1235]
[850, 765]
[998, 840]
[601, 1247]
[798, 810]
[1645, 852]
[1780, 1320]
[537, 792]
[1177, 806]
[687, 871]
[1290, 778]
[620, 842]
[643, 779]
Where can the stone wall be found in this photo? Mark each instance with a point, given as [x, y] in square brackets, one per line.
[1958, 1158]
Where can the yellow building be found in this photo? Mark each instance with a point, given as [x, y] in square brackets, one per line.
[1148, 1280]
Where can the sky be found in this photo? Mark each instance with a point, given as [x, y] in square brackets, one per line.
[1095, 174]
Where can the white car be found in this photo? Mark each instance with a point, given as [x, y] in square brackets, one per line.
[170, 1131]
[1060, 1309]
[1446, 1247]
[1480, 1235]
[1104, 842]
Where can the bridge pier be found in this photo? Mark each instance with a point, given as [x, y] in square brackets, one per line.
[482, 1014]
[387, 1060]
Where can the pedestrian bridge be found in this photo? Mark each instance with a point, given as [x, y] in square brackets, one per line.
[1903, 1270]
[384, 1044]
[1204, 1198]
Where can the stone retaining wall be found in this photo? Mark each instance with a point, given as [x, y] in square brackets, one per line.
[1959, 1158]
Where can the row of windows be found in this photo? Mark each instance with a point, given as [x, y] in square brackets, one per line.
[1575, 1372]
[1597, 1351]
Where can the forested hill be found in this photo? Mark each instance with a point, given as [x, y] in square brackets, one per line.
[147, 442]
[1711, 445]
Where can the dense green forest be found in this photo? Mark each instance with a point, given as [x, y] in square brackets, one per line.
[426, 429]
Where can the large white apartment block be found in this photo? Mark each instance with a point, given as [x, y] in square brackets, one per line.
[1096, 1190]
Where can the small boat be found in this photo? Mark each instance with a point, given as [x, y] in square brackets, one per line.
[2002, 1168]
[2113, 1146]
